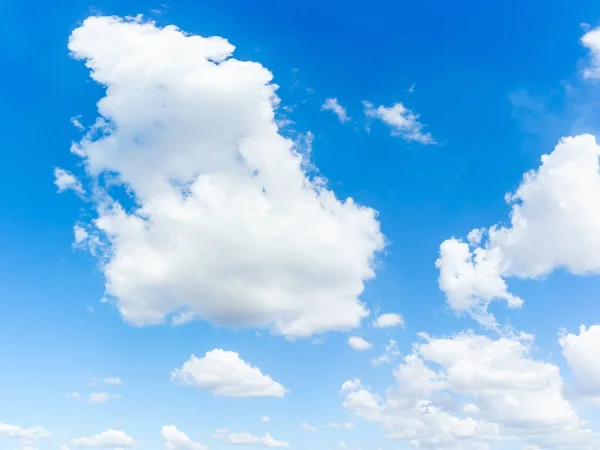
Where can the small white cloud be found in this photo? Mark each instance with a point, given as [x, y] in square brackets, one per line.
[115, 381]
[308, 427]
[332, 104]
[226, 374]
[391, 353]
[65, 180]
[107, 439]
[101, 397]
[76, 122]
[220, 433]
[591, 40]
[358, 343]
[265, 419]
[246, 438]
[177, 440]
[401, 120]
[74, 395]
[26, 435]
[344, 425]
[388, 320]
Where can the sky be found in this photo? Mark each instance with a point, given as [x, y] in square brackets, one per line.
[328, 226]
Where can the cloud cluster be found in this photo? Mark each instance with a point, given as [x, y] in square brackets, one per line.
[227, 225]
[469, 390]
[554, 223]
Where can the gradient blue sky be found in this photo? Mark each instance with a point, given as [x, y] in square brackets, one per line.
[496, 85]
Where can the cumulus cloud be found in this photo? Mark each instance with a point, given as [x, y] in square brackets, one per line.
[177, 440]
[65, 181]
[101, 397]
[358, 343]
[25, 436]
[308, 427]
[228, 226]
[554, 223]
[591, 40]
[402, 121]
[343, 425]
[583, 356]
[332, 104]
[388, 320]
[225, 374]
[507, 395]
[115, 381]
[246, 438]
[107, 439]
[265, 419]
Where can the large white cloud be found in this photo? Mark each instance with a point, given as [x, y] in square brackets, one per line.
[554, 223]
[228, 226]
[106, 439]
[228, 375]
[468, 391]
[178, 440]
[582, 352]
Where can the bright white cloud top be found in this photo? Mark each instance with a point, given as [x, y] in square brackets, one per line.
[358, 343]
[229, 228]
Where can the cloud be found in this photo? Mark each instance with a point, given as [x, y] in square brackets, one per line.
[506, 395]
[177, 440]
[582, 355]
[226, 374]
[358, 343]
[220, 433]
[106, 439]
[265, 419]
[26, 436]
[351, 385]
[591, 40]
[101, 397]
[401, 120]
[332, 104]
[74, 395]
[229, 227]
[388, 320]
[391, 353]
[308, 427]
[115, 381]
[65, 180]
[554, 223]
[246, 438]
[344, 425]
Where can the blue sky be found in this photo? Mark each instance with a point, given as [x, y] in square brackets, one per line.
[199, 198]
